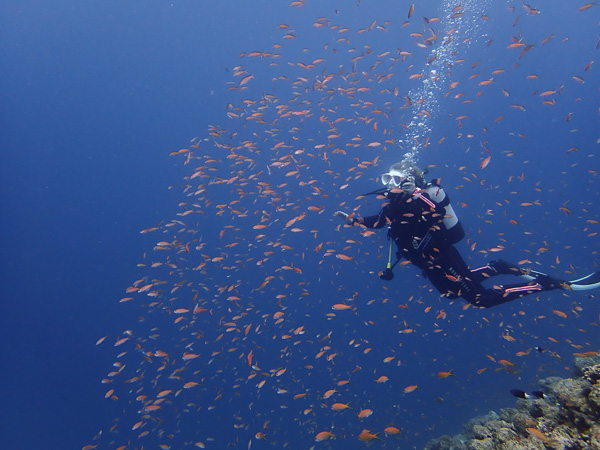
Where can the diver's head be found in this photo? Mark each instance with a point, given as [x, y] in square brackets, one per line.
[403, 176]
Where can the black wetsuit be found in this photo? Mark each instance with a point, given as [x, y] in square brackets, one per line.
[416, 224]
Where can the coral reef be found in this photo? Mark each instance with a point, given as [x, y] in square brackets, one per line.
[568, 417]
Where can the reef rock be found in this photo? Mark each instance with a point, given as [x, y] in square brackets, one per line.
[568, 418]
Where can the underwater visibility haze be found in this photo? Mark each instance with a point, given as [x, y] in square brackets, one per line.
[175, 273]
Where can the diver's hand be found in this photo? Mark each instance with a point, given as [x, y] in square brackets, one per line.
[430, 246]
[426, 244]
[345, 217]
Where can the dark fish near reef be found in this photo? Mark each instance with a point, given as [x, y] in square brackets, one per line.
[522, 394]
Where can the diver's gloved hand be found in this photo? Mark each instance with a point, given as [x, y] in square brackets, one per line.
[346, 217]
[386, 274]
[426, 244]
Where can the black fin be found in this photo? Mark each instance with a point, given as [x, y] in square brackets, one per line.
[518, 393]
[538, 394]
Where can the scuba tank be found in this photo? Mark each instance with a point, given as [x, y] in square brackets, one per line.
[454, 229]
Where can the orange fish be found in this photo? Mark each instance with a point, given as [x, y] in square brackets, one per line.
[150, 408]
[445, 374]
[587, 6]
[341, 307]
[246, 79]
[340, 406]
[391, 431]
[366, 436]
[559, 313]
[121, 341]
[329, 393]
[538, 434]
[485, 162]
[323, 435]
[364, 413]
[411, 388]
[504, 362]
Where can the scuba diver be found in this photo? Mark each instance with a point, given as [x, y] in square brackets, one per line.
[424, 226]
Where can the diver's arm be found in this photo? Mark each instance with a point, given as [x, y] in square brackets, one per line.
[376, 221]
[348, 218]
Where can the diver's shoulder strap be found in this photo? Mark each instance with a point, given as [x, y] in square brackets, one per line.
[419, 193]
[436, 194]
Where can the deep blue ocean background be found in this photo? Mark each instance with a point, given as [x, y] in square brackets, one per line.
[97, 95]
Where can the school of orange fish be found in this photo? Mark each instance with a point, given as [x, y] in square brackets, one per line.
[254, 295]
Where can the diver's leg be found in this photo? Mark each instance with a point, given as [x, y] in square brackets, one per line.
[451, 276]
[505, 294]
[493, 268]
[474, 292]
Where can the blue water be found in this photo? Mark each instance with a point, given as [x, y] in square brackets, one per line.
[97, 95]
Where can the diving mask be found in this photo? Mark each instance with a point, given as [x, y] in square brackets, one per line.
[395, 179]
[392, 179]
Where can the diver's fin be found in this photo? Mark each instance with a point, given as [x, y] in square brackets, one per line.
[545, 281]
[591, 281]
